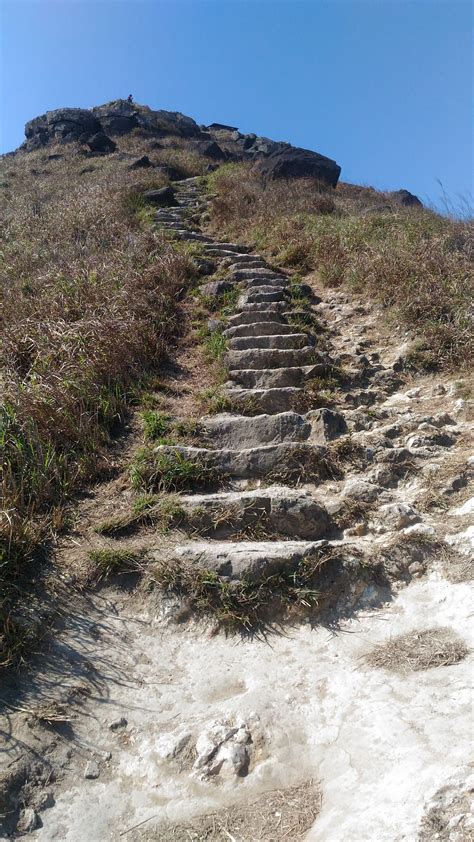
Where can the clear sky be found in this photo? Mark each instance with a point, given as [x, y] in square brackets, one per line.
[382, 86]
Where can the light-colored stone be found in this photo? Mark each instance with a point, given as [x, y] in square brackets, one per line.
[92, 770]
[169, 746]
[249, 558]
[28, 821]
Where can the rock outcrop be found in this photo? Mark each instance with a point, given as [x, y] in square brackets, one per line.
[97, 127]
[293, 162]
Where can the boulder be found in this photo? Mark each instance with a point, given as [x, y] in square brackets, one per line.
[141, 163]
[161, 198]
[210, 150]
[118, 117]
[293, 162]
[100, 144]
[405, 198]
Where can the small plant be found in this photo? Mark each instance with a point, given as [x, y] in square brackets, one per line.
[109, 562]
[170, 471]
[244, 605]
[156, 424]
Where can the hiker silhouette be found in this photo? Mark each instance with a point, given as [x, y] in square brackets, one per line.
[130, 98]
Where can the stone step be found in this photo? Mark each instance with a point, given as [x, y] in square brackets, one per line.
[247, 260]
[284, 341]
[242, 432]
[248, 274]
[268, 378]
[258, 329]
[258, 313]
[181, 234]
[290, 460]
[255, 401]
[276, 510]
[262, 295]
[252, 559]
[223, 250]
[262, 283]
[270, 358]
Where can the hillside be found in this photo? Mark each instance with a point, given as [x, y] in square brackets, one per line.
[236, 406]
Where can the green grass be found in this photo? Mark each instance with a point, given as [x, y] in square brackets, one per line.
[162, 511]
[109, 562]
[170, 471]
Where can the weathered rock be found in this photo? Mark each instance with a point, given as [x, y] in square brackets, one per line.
[163, 197]
[288, 341]
[92, 770]
[100, 144]
[326, 424]
[210, 150]
[63, 124]
[273, 358]
[240, 432]
[278, 510]
[395, 516]
[405, 198]
[289, 459]
[141, 163]
[248, 558]
[215, 288]
[294, 162]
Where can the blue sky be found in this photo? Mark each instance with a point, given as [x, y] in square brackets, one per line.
[382, 86]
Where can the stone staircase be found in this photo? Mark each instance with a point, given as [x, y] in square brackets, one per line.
[269, 363]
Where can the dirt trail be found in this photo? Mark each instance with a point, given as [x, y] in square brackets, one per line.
[141, 722]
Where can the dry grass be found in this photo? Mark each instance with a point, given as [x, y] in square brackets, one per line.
[415, 262]
[89, 301]
[419, 650]
[282, 814]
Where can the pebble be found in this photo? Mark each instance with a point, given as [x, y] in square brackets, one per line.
[92, 771]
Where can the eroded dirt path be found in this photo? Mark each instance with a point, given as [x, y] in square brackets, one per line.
[140, 722]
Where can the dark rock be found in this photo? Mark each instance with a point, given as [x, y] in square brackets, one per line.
[155, 144]
[210, 150]
[173, 173]
[293, 162]
[205, 267]
[54, 157]
[118, 117]
[101, 144]
[405, 198]
[161, 198]
[222, 127]
[212, 167]
[141, 163]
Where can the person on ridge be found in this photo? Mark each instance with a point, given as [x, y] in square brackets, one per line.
[130, 98]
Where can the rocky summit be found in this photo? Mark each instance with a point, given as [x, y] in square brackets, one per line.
[97, 127]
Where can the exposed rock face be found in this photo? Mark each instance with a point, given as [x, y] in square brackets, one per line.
[98, 126]
[300, 163]
[113, 118]
[407, 199]
[64, 124]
